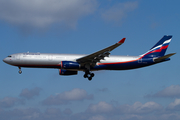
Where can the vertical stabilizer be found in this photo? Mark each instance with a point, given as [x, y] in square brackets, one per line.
[159, 49]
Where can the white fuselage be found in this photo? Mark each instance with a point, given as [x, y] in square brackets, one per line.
[46, 60]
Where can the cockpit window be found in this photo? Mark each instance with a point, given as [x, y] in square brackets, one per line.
[9, 56]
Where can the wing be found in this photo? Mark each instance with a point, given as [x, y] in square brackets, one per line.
[99, 55]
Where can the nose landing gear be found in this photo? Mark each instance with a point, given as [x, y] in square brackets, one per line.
[19, 70]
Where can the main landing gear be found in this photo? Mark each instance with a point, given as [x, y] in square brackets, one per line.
[20, 70]
[88, 75]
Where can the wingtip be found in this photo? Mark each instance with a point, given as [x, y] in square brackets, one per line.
[122, 40]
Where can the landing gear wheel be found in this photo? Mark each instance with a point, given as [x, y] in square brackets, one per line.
[85, 75]
[88, 75]
[20, 71]
[89, 78]
[92, 74]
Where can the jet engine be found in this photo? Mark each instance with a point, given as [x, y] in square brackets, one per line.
[69, 65]
[67, 72]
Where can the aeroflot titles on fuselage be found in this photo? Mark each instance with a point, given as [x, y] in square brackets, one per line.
[31, 53]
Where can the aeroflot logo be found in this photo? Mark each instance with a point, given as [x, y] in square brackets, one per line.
[31, 53]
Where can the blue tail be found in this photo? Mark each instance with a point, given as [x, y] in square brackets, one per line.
[159, 49]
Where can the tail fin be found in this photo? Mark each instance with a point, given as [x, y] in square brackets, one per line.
[159, 49]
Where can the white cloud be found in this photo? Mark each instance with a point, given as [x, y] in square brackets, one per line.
[174, 105]
[8, 102]
[101, 107]
[29, 94]
[97, 117]
[42, 13]
[170, 116]
[119, 11]
[67, 111]
[52, 111]
[65, 97]
[171, 91]
[23, 114]
[99, 111]
[139, 108]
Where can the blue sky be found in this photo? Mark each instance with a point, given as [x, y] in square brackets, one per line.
[83, 27]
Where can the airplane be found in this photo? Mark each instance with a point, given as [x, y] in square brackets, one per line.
[70, 64]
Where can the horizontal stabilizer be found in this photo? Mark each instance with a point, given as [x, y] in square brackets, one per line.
[163, 57]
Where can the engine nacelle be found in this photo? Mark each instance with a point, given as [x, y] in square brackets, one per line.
[67, 72]
[69, 65]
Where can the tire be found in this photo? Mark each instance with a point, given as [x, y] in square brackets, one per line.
[92, 74]
[89, 78]
[85, 76]
[20, 72]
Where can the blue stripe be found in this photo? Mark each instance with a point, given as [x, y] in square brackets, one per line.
[161, 41]
[126, 66]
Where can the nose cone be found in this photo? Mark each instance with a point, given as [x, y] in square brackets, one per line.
[5, 60]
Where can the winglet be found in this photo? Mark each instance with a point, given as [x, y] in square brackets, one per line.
[122, 40]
